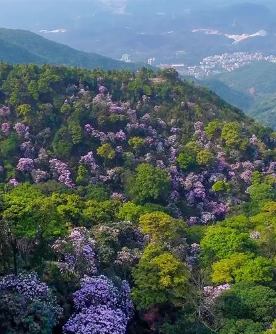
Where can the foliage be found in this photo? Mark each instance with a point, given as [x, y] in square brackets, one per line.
[159, 277]
[161, 227]
[242, 268]
[149, 184]
[220, 242]
[246, 300]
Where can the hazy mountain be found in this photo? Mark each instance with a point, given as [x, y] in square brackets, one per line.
[21, 46]
[144, 29]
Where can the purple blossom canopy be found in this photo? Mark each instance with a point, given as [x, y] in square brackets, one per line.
[62, 171]
[100, 308]
[25, 165]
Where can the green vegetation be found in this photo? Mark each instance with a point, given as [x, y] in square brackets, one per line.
[132, 202]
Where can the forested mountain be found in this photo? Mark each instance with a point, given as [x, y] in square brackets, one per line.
[23, 47]
[251, 88]
[132, 203]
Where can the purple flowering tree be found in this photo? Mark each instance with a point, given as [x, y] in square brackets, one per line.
[62, 171]
[101, 308]
[25, 165]
[76, 254]
[4, 111]
[21, 129]
[6, 128]
[27, 306]
[39, 175]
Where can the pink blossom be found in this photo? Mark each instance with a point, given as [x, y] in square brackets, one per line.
[13, 182]
[5, 127]
[25, 165]
[4, 111]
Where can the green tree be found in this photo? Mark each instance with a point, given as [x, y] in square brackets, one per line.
[221, 186]
[261, 192]
[82, 175]
[249, 301]
[136, 143]
[100, 212]
[242, 268]
[31, 216]
[62, 143]
[231, 134]
[186, 161]
[272, 330]
[9, 146]
[242, 326]
[149, 184]
[161, 227]
[159, 278]
[205, 158]
[221, 242]
[213, 129]
[106, 151]
[130, 212]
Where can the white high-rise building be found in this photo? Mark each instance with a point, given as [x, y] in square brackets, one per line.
[126, 58]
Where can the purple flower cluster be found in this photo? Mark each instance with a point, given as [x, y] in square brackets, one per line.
[76, 253]
[25, 165]
[39, 175]
[120, 135]
[4, 111]
[102, 89]
[6, 128]
[213, 292]
[27, 285]
[101, 308]
[97, 320]
[13, 182]
[29, 301]
[102, 136]
[28, 149]
[89, 160]
[21, 129]
[62, 171]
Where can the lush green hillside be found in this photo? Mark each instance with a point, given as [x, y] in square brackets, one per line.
[251, 88]
[23, 47]
[132, 203]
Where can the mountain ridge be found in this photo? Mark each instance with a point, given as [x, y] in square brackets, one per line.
[23, 46]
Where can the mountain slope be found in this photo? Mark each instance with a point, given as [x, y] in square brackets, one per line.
[251, 88]
[21, 46]
[117, 181]
[12, 53]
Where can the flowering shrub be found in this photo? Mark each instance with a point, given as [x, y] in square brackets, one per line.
[27, 306]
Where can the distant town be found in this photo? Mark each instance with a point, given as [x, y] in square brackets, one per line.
[219, 63]
[227, 62]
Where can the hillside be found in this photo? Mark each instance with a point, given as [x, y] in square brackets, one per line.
[21, 46]
[251, 88]
[132, 203]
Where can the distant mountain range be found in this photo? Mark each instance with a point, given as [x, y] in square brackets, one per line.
[144, 29]
[251, 88]
[21, 46]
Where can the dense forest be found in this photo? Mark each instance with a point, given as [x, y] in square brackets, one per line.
[132, 203]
